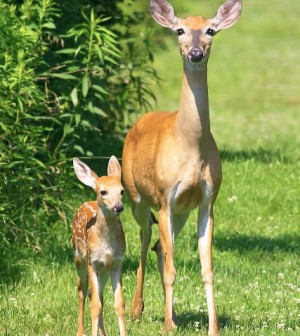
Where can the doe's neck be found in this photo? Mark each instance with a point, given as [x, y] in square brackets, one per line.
[193, 112]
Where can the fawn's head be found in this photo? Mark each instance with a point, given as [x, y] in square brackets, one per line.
[109, 189]
[195, 32]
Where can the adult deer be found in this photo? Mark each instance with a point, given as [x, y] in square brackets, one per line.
[171, 162]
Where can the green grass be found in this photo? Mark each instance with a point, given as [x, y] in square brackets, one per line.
[254, 98]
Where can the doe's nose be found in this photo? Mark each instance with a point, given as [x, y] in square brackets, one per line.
[196, 55]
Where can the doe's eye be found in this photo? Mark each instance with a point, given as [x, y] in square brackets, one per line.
[122, 192]
[180, 31]
[103, 192]
[210, 32]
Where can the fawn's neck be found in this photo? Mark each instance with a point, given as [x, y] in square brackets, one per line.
[193, 112]
[106, 220]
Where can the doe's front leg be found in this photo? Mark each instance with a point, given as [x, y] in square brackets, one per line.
[205, 234]
[141, 216]
[166, 237]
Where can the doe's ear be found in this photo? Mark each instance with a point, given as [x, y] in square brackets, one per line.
[163, 13]
[227, 14]
[84, 173]
[113, 168]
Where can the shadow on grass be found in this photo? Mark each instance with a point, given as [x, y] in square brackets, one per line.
[11, 268]
[245, 243]
[131, 264]
[16, 259]
[260, 154]
[197, 321]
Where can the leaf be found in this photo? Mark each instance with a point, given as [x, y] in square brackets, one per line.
[39, 163]
[65, 115]
[100, 89]
[77, 51]
[13, 164]
[74, 97]
[49, 25]
[66, 51]
[79, 149]
[68, 129]
[100, 97]
[90, 107]
[77, 117]
[86, 123]
[85, 86]
[63, 76]
[100, 112]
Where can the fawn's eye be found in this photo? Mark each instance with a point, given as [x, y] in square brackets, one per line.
[122, 192]
[180, 31]
[210, 32]
[103, 192]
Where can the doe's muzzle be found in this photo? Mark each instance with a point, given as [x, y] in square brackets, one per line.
[196, 55]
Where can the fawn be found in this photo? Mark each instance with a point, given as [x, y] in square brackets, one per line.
[99, 244]
[171, 161]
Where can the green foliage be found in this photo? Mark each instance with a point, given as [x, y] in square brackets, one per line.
[65, 90]
[256, 272]
[107, 90]
[23, 144]
[87, 72]
[254, 104]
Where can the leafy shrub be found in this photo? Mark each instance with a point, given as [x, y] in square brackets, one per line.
[63, 93]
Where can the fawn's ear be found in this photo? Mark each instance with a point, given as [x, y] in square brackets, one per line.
[163, 13]
[113, 168]
[84, 173]
[227, 14]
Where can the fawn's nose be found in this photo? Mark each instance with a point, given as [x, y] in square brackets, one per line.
[196, 55]
[118, 208]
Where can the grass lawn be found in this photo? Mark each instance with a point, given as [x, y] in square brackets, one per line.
[254, 82]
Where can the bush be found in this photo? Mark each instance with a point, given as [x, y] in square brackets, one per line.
[65, 90]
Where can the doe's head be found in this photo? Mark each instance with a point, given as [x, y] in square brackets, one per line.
[195, 33]
[109, 189]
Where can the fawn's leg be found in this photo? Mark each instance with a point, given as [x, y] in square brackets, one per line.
[82, 287]
[116, 279]
[102, 280]
[96, 304]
